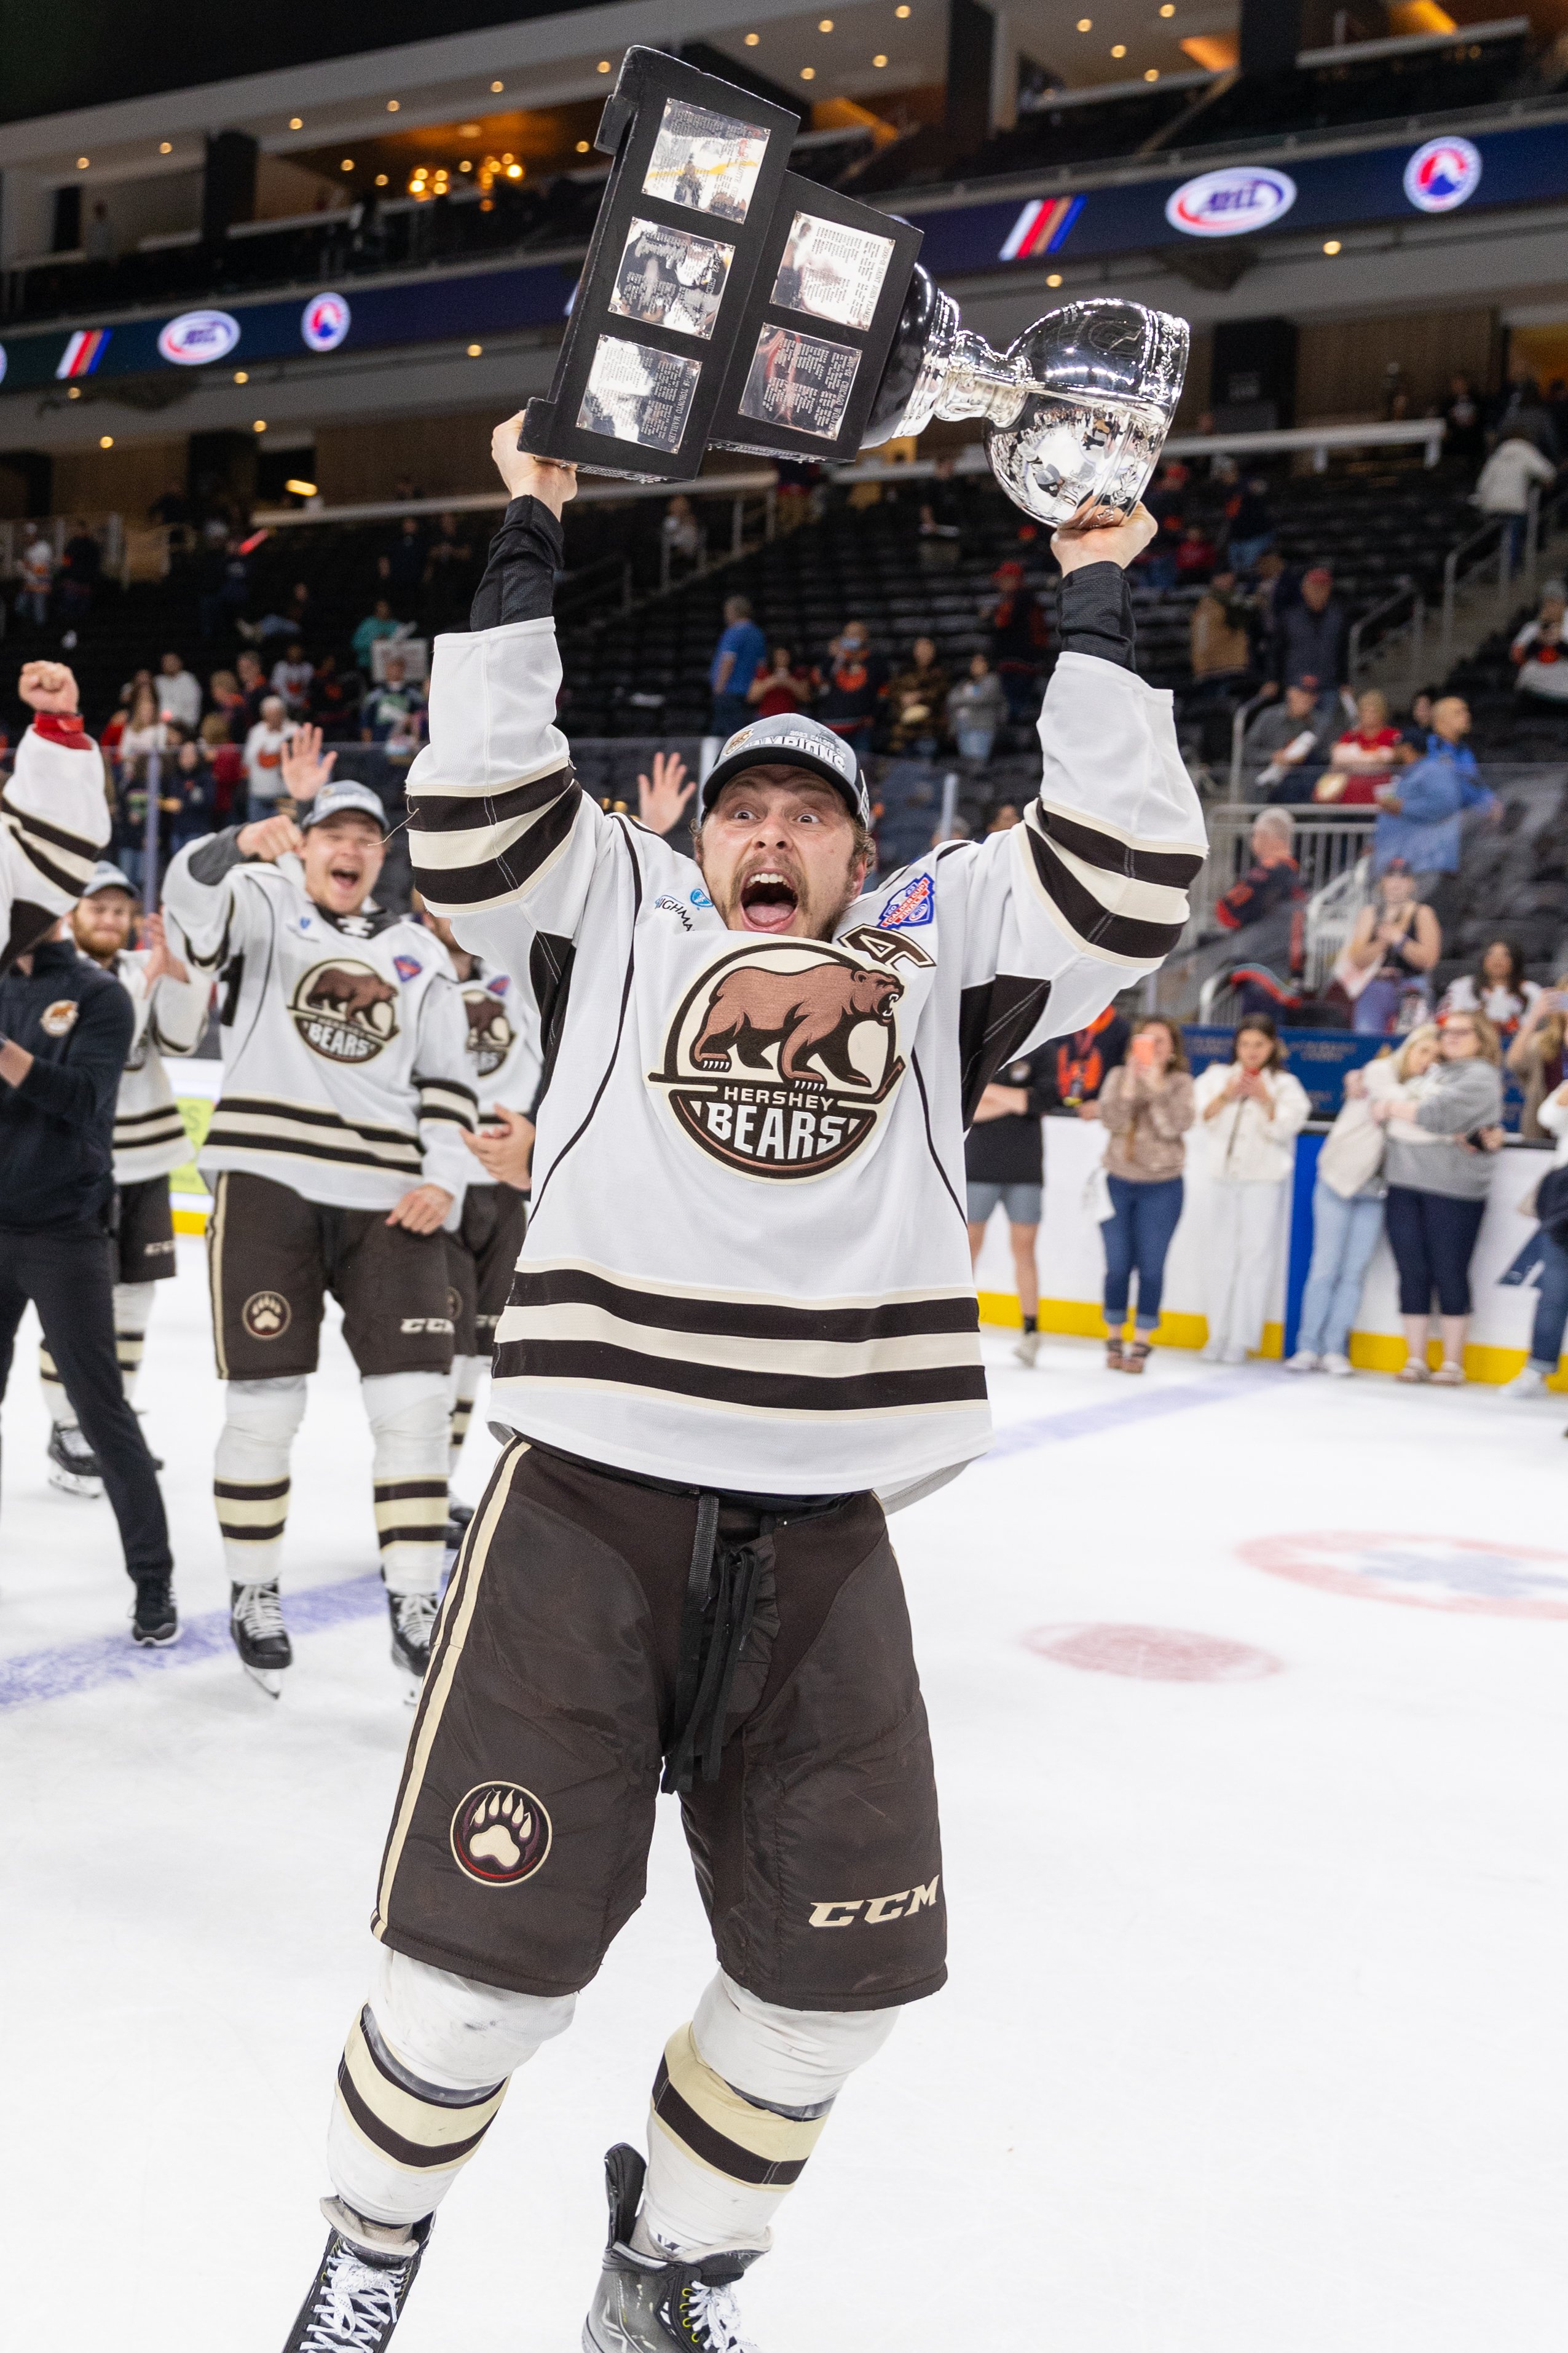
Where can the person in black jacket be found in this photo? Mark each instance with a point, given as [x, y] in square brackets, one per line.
[65, 1032]
[1005, 1162]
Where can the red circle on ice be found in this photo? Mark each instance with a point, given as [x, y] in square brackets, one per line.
[1152, 1654]
[1462, 1573]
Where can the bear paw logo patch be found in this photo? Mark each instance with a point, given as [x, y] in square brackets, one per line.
[266, 1315]
[345, 1012]
[500, 1834]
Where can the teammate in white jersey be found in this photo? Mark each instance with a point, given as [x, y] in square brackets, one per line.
[336, 1158]
[150, 1140]
[743, 1307]
[54, 813]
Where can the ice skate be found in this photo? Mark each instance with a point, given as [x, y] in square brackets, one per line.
[413, 1624]
[73, 1465]
[362, 2287]
[646, 2305]
[154, 1621]
[256, 1621]
[458, 1518]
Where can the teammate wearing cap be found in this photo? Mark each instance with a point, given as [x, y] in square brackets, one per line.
[335, 1156]
[743, 1320]
[169, 1014]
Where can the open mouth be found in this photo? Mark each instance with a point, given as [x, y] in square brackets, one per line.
[345, 874]
[768, 902]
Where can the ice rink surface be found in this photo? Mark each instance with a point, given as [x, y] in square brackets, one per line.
[1255, 2036]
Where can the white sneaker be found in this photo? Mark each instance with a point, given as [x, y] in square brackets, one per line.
[1341, 1367]
[1303, 1361]
[1027, 1347]
[1530, 1383]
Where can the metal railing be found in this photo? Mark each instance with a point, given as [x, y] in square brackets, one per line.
[1327, 845]
[15, 538]
[1403, 614]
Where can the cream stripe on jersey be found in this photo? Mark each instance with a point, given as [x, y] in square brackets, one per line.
[1157, 845]
[829, 1417]
[214, 1268]
[1123, 894]
[822, 1359]
[477, 845]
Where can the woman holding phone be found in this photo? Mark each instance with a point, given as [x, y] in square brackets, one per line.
[1250, 1113]
[1147, 1106]
[1438, 1180]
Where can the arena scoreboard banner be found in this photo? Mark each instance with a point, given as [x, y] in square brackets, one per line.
[666, 282]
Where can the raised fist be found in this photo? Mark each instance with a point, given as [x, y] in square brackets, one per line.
[48, 686]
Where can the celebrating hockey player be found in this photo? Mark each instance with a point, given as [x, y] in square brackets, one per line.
[169, 1011]
[335, 1158]
[504, 1065]
[742, 1323]
[65, 1031]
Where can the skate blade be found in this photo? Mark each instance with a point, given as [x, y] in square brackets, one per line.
[155, 1642]
[266, 1679]
[71, 1482]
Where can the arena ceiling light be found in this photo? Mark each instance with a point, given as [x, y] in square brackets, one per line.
[296, 122]
[165, 146]
[300, 490]
[106, 440]
[752, 39]
[260, 425]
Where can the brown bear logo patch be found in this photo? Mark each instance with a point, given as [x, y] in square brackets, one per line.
[491, 1034]
[345, 1012]
[783, 1056]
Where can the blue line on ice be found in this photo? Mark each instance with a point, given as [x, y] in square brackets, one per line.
[113, 1658]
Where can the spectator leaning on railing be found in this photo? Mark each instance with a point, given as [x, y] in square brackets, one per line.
[1421, 812]
[1273, 880]
[1146, 1106]
[1288, 739]
[1365, 757]
[1441, 1135]
[1250, 1113]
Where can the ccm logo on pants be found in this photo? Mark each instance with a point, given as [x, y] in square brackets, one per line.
[426, 1324]
[874, 1909]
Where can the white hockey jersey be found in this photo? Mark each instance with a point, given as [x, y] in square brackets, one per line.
[54, 819]
[150, 1136]
[504, 1059]
[345, 1065]
[746, 1264]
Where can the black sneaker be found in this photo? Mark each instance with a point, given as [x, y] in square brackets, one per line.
[73, 1465]
[648, 2303]
[155, 1619]
[458, 1518]
[413, 1625]
[256, 1621]
[360, 2288]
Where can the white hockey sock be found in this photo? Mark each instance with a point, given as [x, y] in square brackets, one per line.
[423, 2071]
[739, 2102]
[250, 1473]
[409, 1422]
[466, 1371]
[133, 1314]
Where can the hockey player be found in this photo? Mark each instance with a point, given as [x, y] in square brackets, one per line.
[503, 1056]
[335, 1156]
[170, 1011]
[743, 1315]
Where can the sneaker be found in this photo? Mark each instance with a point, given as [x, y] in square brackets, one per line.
[256, 1621]
[413, 1625]
[1414, 1368]
[73, 1465]
[1340, 1368]
[358, 2293]
[1027, 1347]
[1530, 1383]
[1305, 1360]
[656, 2303]
[1448, 1376]
[154, 1620]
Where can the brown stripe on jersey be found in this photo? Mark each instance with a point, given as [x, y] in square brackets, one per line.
[432, 812]
[145, 1118]
[540, 1358]
[1127, 937]
[1172, 868]
[447, 1099]
[64, 859]
[492, 874]
[743, 1318]
[255, 1123]
[995, 1018]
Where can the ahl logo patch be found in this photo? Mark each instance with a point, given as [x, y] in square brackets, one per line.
[780, 1060]
[491, 1034]
[345, 1012]
[500, 1834]
[408, 968]
[913, 905]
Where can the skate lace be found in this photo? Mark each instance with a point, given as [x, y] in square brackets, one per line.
[258, 1610]
[417, 1615]
[354, 2310]
[713, 2319]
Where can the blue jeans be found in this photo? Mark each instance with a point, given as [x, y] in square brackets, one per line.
[1344, 1235]
[1551, 1307]
[1138, 1236]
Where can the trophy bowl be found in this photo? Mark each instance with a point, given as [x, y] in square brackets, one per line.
[1077, 410]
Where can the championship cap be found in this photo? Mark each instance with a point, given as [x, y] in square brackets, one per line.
[105, 876]
[789, 740]
[336, 800]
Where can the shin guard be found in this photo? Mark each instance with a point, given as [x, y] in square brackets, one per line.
[408, 1419]
[250, 1473]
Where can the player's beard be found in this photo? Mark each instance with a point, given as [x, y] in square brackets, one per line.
[819, 906]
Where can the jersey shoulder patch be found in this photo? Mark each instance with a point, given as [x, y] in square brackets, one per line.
[914, 903]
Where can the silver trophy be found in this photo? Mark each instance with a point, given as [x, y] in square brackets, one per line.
[1076, 411]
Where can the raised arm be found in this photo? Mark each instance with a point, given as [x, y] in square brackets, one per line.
[54, 813]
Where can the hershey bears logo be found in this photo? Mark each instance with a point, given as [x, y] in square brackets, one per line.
[500, 1834]
[782, 1059]
[345, 1012]
[491, 1034]
[266, 1315]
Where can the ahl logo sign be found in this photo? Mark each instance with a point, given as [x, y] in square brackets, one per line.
[1232, 203]
[780, 1060]
[324, 322]
[1442, 174]
[491, 1034]
[197, 338]
[345, 1012]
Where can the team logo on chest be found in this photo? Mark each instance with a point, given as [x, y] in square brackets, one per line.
[782, 1059]
[345, 1011]
[491, 1033]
